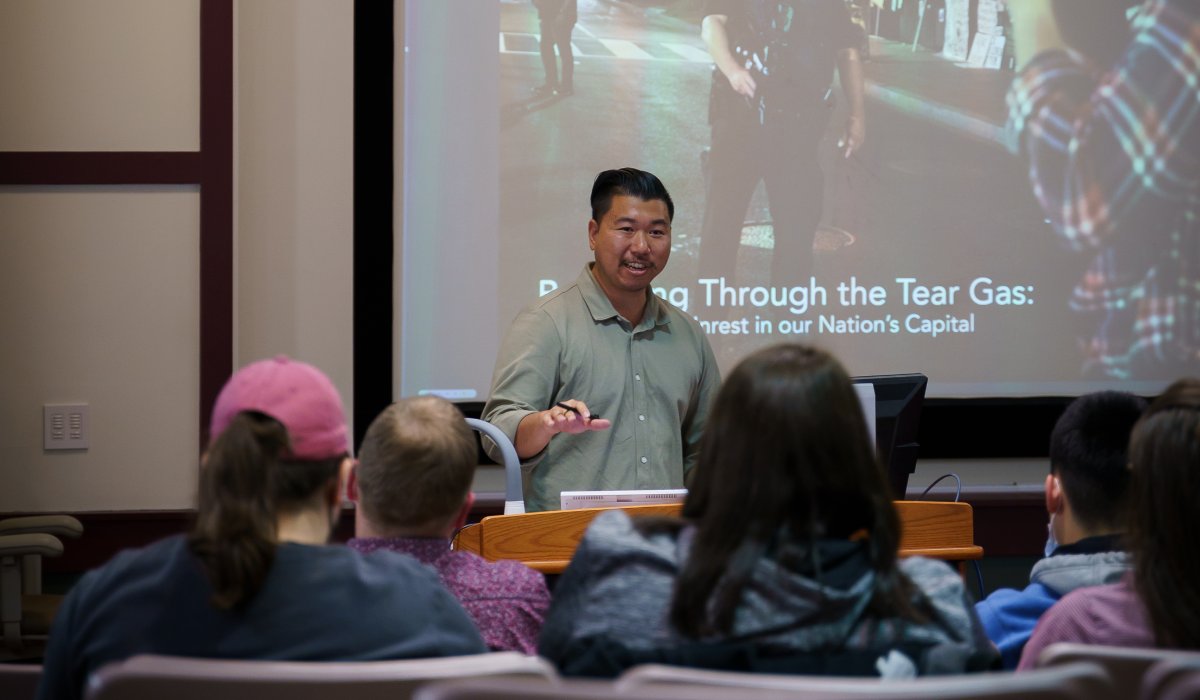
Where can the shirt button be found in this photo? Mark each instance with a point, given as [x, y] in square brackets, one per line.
[637, 377]
[641, 418]
[644, 460]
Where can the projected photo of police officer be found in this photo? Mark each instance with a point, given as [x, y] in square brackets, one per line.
[769, 109]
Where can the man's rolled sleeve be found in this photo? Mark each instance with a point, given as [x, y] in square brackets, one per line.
[525, 377]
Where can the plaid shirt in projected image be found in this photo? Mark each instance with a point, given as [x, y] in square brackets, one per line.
[1115, 163]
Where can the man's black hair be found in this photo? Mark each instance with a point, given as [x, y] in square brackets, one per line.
[630, 182]
[1089, 451]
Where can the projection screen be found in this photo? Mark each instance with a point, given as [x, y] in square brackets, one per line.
[930, 254]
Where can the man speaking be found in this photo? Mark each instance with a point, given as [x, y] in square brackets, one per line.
[602, 385]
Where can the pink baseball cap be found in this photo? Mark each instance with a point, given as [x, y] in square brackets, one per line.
[294, 393]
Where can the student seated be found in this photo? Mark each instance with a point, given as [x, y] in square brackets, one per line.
[1085, 497]
[254, 579]
[412, 485]
[785, 559]
[1158, 603]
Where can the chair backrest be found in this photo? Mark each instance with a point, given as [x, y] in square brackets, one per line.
[1082, 681]
[178, 678]
[1173, 679]
[546, 541]
[1125, 665]
[514, 490]
[19, 681]
[576, 689]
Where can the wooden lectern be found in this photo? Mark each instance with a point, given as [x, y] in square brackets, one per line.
[546, 541]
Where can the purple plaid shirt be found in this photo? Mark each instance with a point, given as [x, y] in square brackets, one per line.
[507, 600]
[1114, 159]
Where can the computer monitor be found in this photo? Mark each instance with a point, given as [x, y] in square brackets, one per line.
[898, 399]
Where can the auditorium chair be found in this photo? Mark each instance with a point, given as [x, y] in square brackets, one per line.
[1173, 679]
[25, 611]
[147, 677]
[1080, 681]
[1125, 665]
[576, 689]
[19, 681]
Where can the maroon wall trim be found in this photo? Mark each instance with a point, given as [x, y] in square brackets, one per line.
[114, 168]
[216, 202]
[211, 168]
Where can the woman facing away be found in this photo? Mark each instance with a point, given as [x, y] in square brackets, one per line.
[254, 579]
[1158, 603]
[785, 559]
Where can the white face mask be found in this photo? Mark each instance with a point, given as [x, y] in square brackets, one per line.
[1051, 542]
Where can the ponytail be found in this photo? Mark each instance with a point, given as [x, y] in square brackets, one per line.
[235, 532]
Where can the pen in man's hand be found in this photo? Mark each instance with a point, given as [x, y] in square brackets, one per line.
[574, 410]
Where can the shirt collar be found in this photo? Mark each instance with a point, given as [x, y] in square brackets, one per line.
[1093, 545]
[602, 309]
[422, 549]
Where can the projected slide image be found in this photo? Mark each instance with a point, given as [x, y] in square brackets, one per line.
[919, 249]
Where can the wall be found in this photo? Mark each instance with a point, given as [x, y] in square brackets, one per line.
[294, 141]
[101, 284]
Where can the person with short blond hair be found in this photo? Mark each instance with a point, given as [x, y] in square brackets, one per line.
[413, 488]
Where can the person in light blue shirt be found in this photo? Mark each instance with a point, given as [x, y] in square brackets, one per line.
[1085, 497]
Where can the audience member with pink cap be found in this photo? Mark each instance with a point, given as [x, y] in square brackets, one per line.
[254, 579]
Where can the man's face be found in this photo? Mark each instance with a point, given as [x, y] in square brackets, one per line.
[632, 242]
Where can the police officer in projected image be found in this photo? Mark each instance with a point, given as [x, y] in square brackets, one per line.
[769, 108]
[556, 20]
[603, 385]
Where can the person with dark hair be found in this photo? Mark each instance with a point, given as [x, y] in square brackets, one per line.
[253, 579]
[785, 559]
[1110, 132]
[556, 19]
[413, 489]
[631, 183]
[1086, 500]
[607, 346]
[1158, 603]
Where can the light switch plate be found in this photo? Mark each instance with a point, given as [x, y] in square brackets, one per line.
[65, 426]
